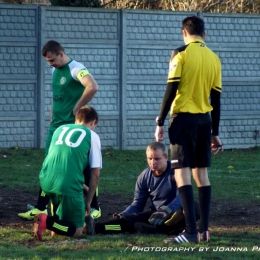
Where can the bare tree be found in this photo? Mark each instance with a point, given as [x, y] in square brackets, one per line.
[216, 6]
[210, 6]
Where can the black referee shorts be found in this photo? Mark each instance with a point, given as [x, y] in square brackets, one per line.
[190, 138]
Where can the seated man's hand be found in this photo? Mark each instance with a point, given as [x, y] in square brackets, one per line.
[158, 217]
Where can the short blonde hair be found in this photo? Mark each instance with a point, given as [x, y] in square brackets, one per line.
[157, 146]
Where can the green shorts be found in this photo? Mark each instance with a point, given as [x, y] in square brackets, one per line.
[70, 208]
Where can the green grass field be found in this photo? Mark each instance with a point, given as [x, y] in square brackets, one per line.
[234, 176]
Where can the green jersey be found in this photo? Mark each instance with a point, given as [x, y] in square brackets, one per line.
[67, 90]
[72, 148]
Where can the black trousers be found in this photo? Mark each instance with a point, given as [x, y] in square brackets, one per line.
[126, 224]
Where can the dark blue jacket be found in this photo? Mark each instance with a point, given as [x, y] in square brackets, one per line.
[161, 190]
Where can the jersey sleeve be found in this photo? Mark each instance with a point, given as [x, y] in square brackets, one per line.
[175, 204]
[140, 197]
[95, 156]
[218, 82]
[78, 70]
[175, 67]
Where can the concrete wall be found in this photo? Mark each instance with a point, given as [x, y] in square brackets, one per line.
[127, 51]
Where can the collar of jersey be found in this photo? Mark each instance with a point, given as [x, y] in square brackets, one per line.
[195, 40]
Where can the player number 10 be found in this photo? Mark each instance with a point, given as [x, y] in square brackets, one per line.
[67, 141]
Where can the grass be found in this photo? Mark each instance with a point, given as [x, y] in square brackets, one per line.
[234, 176]
[23, 163]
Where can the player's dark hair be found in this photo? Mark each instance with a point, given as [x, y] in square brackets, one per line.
[194, 25]
[87, 114]
[157, 146]
[53, 47]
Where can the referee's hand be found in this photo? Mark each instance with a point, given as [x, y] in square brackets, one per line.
[216, 144]
[159, 131]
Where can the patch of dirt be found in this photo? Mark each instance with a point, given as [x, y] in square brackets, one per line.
[15, 201]
[230, 215]
[224, 214]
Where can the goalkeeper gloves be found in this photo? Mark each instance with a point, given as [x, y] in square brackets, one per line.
[177, 217]
[158, 217]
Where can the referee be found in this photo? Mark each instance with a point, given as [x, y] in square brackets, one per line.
[194, 76]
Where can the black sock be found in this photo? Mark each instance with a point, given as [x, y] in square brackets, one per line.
[114, 226]
[61, 227]
[187, 201]
[42, 200]
[197, 210]
[204, 201]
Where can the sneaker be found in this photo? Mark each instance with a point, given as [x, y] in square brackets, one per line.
[29, 215]
[183, 238]
[145, 228]
[95, 214]
[90, 225]
[39, 226]
[205, 236]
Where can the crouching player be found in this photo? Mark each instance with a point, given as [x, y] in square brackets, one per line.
[73, 146]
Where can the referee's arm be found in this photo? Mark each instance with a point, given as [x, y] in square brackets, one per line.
[168, 98]
[215, 113]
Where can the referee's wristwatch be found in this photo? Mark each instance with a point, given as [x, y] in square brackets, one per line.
[159, 121]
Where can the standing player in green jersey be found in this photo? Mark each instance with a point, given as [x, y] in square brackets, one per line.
[194, 76]
[72, 86]
[72, 148]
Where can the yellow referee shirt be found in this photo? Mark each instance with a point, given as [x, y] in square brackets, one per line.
[198, 70]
